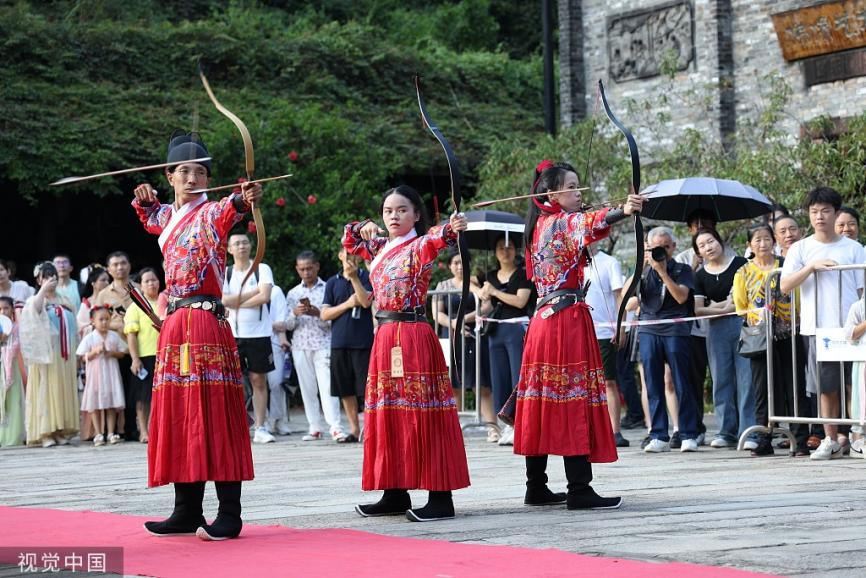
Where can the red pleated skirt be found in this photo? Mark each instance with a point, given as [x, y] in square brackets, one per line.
[198, 422]
[412, 435]
[561, 395]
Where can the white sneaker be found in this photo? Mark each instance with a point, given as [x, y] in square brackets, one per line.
[282, 428]
[828, 450]
[492, 435]
[689, 446]
[262, 436]
[506, 438]
[857, 447]
[750, 445]
[720, 443]
[312, 437]
[658, 446]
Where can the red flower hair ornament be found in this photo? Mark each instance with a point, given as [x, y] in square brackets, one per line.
[550, 206]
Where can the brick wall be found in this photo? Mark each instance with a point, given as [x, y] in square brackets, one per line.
[735, 45]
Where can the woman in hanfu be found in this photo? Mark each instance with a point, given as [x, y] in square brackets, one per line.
[49, 337]
[412, 435]
[12, 372]
[561, 397]
[198, 424]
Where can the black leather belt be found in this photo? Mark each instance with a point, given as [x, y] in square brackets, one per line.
[559, 300]
[203, 302]
[415, 316]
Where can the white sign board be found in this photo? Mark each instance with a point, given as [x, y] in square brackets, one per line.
[446, 350]
[832, 345]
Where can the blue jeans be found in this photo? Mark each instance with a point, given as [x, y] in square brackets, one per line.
[655, 351]
[506, 353]
[733, 396]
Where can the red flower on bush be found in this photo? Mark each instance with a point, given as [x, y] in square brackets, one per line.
[293, 156]
[312, 199]
[251, 227]
[242, 179]
[281, 202]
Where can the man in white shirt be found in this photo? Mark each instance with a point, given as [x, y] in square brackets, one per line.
[250, 320]
[278, 415]
[810, 258]
[311, 349]
[603, 296]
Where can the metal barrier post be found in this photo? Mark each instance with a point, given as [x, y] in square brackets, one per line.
[842, 411]
[817, 373]
[462, 361]
[479, 421]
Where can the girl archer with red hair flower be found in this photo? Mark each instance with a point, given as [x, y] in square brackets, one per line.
[561, 405]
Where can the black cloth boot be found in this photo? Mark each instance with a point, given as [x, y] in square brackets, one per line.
[187, 514]
[393, 503]
[581, 496]
[228, 522]
[765, 446]
[439, 507]
[537, 492]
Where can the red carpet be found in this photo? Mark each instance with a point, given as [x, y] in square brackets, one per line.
[281, 551]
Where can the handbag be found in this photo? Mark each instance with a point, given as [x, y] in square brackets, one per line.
[509, 410]
[753, 340]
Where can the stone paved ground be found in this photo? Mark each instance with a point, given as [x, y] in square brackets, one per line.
[717, 507]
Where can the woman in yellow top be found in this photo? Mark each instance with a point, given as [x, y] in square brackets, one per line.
[749, 293]
[142, 337]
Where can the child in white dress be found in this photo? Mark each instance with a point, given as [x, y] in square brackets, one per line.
[103, 392]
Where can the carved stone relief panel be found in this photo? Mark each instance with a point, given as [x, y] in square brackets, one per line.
[638, 42]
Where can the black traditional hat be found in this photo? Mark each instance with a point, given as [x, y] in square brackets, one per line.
[186, 146]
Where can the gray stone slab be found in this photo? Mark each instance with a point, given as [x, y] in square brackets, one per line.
[715, 507]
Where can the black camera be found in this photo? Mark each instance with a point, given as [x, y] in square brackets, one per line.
[659, 253]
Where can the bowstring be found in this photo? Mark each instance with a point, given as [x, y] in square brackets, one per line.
[586, 175]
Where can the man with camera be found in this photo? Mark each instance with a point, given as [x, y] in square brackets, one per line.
[666, 293]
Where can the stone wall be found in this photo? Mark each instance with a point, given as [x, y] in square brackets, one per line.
[757, 52]
[727, 45]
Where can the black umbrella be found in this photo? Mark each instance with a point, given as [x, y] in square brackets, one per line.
[726, 200]
[486, 227]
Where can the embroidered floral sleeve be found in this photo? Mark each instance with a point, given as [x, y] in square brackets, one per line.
[355, 245]
[590, 226]
[224, 215]
[154, 217]
[436, 239]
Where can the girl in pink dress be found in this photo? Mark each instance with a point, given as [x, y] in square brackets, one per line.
[101, 348]
[412, 436]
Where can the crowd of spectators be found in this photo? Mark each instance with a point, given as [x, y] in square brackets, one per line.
[78, 357]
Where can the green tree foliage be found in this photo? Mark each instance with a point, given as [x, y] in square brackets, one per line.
[95, 85]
